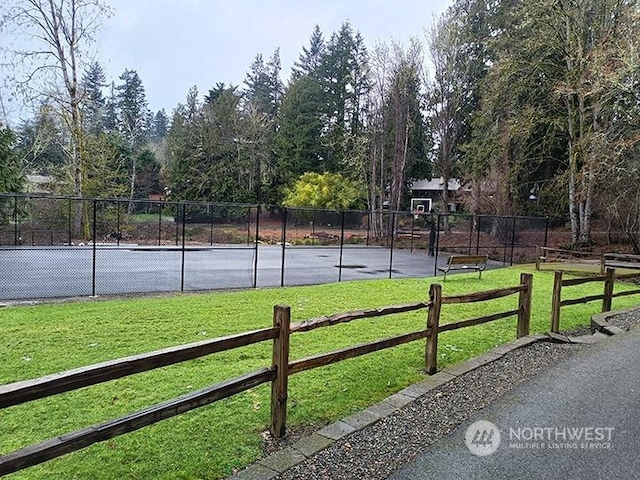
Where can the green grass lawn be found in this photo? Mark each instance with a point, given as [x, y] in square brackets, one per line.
[211, 441]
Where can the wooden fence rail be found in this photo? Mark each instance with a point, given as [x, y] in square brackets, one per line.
[605, 260]
[55, 447]
[619, 260]
[278, 374]
[607, 295]
[523, 312]
[542, 255]
[25, 391]
[313, 323]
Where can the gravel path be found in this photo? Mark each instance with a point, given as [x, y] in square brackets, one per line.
[376, 451]
[626, 320]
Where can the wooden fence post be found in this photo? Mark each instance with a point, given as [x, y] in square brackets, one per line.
[603, 264]
[433, 320]
[524, 304]
[555, 302]
[608, 289]
[538, 255]
[280, 362]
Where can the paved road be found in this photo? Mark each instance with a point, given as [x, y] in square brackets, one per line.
[592, 394]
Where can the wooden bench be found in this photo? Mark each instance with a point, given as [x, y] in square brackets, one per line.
[465, 262]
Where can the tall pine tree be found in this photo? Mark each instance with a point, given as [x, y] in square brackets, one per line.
[94, 103]
[310, 59]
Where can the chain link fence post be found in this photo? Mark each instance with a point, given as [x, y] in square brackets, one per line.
[393, 235]
[341, 245]
[15, 221]
[284, 243]
[257, 241]
[94, 252]
[184, 221]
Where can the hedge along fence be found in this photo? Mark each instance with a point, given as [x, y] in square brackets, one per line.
[278, 373]
[608, 279]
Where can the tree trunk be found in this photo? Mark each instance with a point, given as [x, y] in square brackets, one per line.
[573, 174]
[475, 196]
[132, 187]
[81, 225]
[445, 202]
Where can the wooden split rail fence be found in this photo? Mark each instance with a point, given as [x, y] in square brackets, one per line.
[278, 373]
[604, 260]
[619, 260]
[608, 279]
[543, 254]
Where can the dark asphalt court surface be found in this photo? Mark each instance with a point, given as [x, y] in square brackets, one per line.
[33, 273]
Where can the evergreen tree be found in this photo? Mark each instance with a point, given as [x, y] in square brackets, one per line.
[298, 145]
[160, 127]
[262, 101]
[111, 110]
[134, 120]
[321, 120]
[148, 174]
[263, 85]
[344, 79]
[11, 178]
[184, 147]
[517, 131]
[133, 111]
[225, 174]
[94, 103]
[310, 59]
[258, 83]
[276, 87]
[108, 172]
[159, 132]
[215, 93]
[205, 152]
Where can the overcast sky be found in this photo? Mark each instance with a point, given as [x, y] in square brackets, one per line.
[174, 44]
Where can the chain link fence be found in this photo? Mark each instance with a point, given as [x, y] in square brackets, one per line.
[503, 239]
[54, 246]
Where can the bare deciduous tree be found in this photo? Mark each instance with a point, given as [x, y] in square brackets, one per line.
[53, 36]
[597, 40]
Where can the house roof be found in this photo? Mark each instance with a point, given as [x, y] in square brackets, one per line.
[39, 183]
[436, 184]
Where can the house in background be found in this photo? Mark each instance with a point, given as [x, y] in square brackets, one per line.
[40, 184]
[425, 194]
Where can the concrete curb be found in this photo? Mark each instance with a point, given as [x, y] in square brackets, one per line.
[600, 322]
[281, 461]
